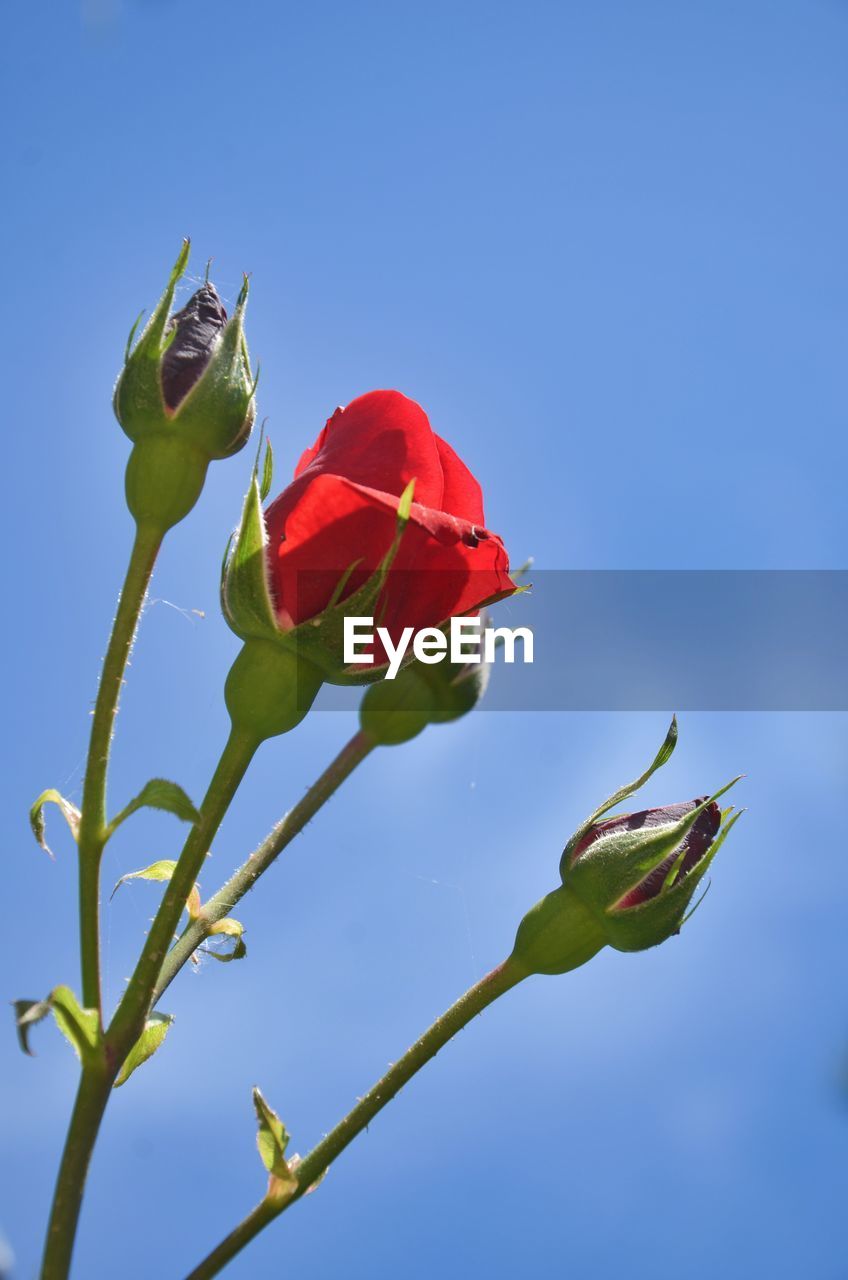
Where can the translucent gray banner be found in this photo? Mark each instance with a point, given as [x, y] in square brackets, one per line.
[709, 640]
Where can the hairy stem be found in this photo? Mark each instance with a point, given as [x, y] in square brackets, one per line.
[98, 1078]
[308, 1172]
[132, 1011]
[92, 831]
[222, 903]
[92, 1096]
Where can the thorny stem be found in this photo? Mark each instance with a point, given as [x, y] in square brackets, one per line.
[92, 833]
[132, 1011]
[312, 1168]
[97, 1077]
[243, 880]
[92, 1097]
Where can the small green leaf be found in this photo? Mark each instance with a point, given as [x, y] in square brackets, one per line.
[162, 870]
[704, 865]
[159, 793]
[238, 952]
[232, 928]
[272, 1140]
[70, 813]
[27, 1014]
[267, 471]
[156, 1028]
[229, 928]
[81, 1027]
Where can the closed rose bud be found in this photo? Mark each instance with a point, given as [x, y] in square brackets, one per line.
[638, 871]
[382, 520]
[627, 881]
[184, 397]
[394, 711]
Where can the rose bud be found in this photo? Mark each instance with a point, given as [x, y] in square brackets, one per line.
[640, 870]
[184, 397]
[627, 881]
[394, 711]
[382, 520]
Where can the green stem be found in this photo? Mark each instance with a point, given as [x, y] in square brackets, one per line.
[497, 982]
[92, 1096]
[219, 906]
[92, 831]
[96, 1079]
[128, 1022]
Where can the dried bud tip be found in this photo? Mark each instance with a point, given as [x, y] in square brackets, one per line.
[196, 330]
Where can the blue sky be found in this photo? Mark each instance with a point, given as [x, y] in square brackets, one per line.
[604, 246]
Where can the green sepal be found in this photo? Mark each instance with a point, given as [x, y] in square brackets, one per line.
[138, 400]
[649, 923]
[155, 1029]
[69, 812]
[662, 757]
[245, 589]
[218, 413]
[272, 1139]
[131, 336]
[615, 864]
[158, 793]
[267, 471]
[247, 602]
[159, 871]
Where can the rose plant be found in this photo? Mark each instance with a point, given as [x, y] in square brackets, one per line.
[381, 517]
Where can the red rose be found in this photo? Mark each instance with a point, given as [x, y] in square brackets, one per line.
[341, 511]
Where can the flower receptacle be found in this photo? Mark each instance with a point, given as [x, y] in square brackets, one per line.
[269, 689]
[558, 934]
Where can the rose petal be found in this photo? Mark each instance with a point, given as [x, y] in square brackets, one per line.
[382, 440]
